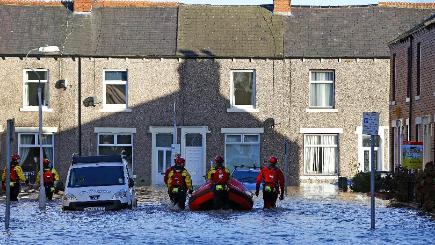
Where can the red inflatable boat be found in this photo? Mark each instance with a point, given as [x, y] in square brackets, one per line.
[239, 197]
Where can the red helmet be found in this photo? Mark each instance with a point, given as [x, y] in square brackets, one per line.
[46, 162]
[180, 161]
[15, 157]
[218, 159]
[273, 160]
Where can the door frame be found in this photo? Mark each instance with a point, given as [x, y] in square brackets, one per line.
[154, 154]
[382, 149]
[203, 130]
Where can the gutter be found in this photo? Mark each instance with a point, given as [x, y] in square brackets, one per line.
[73, 56]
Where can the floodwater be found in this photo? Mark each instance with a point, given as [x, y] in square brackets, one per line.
[309, 215]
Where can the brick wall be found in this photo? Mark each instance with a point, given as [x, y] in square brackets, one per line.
[282, 6]
[424, 104]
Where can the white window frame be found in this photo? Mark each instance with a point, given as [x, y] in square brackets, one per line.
[37, 143]
[242, 142]
[115, 107]
[243, 108]
[26, 106]
[336, 146]
[115, 143]
[330, 108]
[154, 130]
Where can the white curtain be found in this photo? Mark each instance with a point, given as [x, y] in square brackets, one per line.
[25, 139]
[48, 150]
[329, 154]
[321, 95]
[312, 153]
[320, 159]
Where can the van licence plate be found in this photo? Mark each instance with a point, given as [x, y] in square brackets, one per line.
[95, 209]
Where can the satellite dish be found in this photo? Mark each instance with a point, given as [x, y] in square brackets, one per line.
[90, 101]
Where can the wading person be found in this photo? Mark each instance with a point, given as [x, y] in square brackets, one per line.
[51, 179]
[273, 180]
[219, 175]
[16, 176]
[179, 182]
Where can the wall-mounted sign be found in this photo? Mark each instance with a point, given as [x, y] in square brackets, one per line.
[412, 155]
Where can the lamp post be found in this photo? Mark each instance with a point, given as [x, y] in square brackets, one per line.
[44, 50]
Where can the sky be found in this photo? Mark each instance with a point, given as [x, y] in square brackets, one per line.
[297, 2]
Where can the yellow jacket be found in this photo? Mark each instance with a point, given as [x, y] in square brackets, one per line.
[56, 175]
[184, 173]
[19, 171]
[213, 170]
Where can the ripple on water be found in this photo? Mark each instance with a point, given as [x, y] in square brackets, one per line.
[297, 220]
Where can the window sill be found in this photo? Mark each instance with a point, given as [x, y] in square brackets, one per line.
[393, 102]
[35, 109]
[236, 109]
[417, 97]
[115, 110]
[321, 110]
[407, 99]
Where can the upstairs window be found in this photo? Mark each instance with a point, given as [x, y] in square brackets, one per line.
[115, 89]
[243, 89]
[32, 80]
[322, 89]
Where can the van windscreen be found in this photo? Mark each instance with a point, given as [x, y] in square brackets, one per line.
[96, 176]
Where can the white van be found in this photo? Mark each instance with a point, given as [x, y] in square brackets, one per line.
[98, 183]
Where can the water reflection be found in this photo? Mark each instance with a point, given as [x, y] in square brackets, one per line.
[310, 214]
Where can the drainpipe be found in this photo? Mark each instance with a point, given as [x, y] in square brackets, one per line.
[79, 98]
[410, 60]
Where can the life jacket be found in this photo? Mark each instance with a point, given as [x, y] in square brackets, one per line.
[271, 177]
[14, 174]
[48, 177]
[177, 178]
[220, 176]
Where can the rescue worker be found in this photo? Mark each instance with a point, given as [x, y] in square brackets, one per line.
[179, 182]
[51, 179]
[273, 180]
[17, 176]
[219, 175]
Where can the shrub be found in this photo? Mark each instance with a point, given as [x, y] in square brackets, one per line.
[361, 182]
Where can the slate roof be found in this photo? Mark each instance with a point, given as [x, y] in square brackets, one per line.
[229, 31]
[206, 30]
[427, 23]
[362, 31]
[104, 32]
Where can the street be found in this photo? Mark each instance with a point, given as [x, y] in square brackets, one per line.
[309, 215]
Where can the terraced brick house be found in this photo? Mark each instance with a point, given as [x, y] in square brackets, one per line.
[247, 82]
[412, 97]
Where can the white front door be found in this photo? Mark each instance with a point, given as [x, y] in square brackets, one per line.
[364, 153]
[161, 156]
[193, 150]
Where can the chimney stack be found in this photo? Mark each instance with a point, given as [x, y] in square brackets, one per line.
[282, 7]
[83, 5]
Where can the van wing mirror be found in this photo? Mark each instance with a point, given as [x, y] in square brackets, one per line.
[130, 182]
